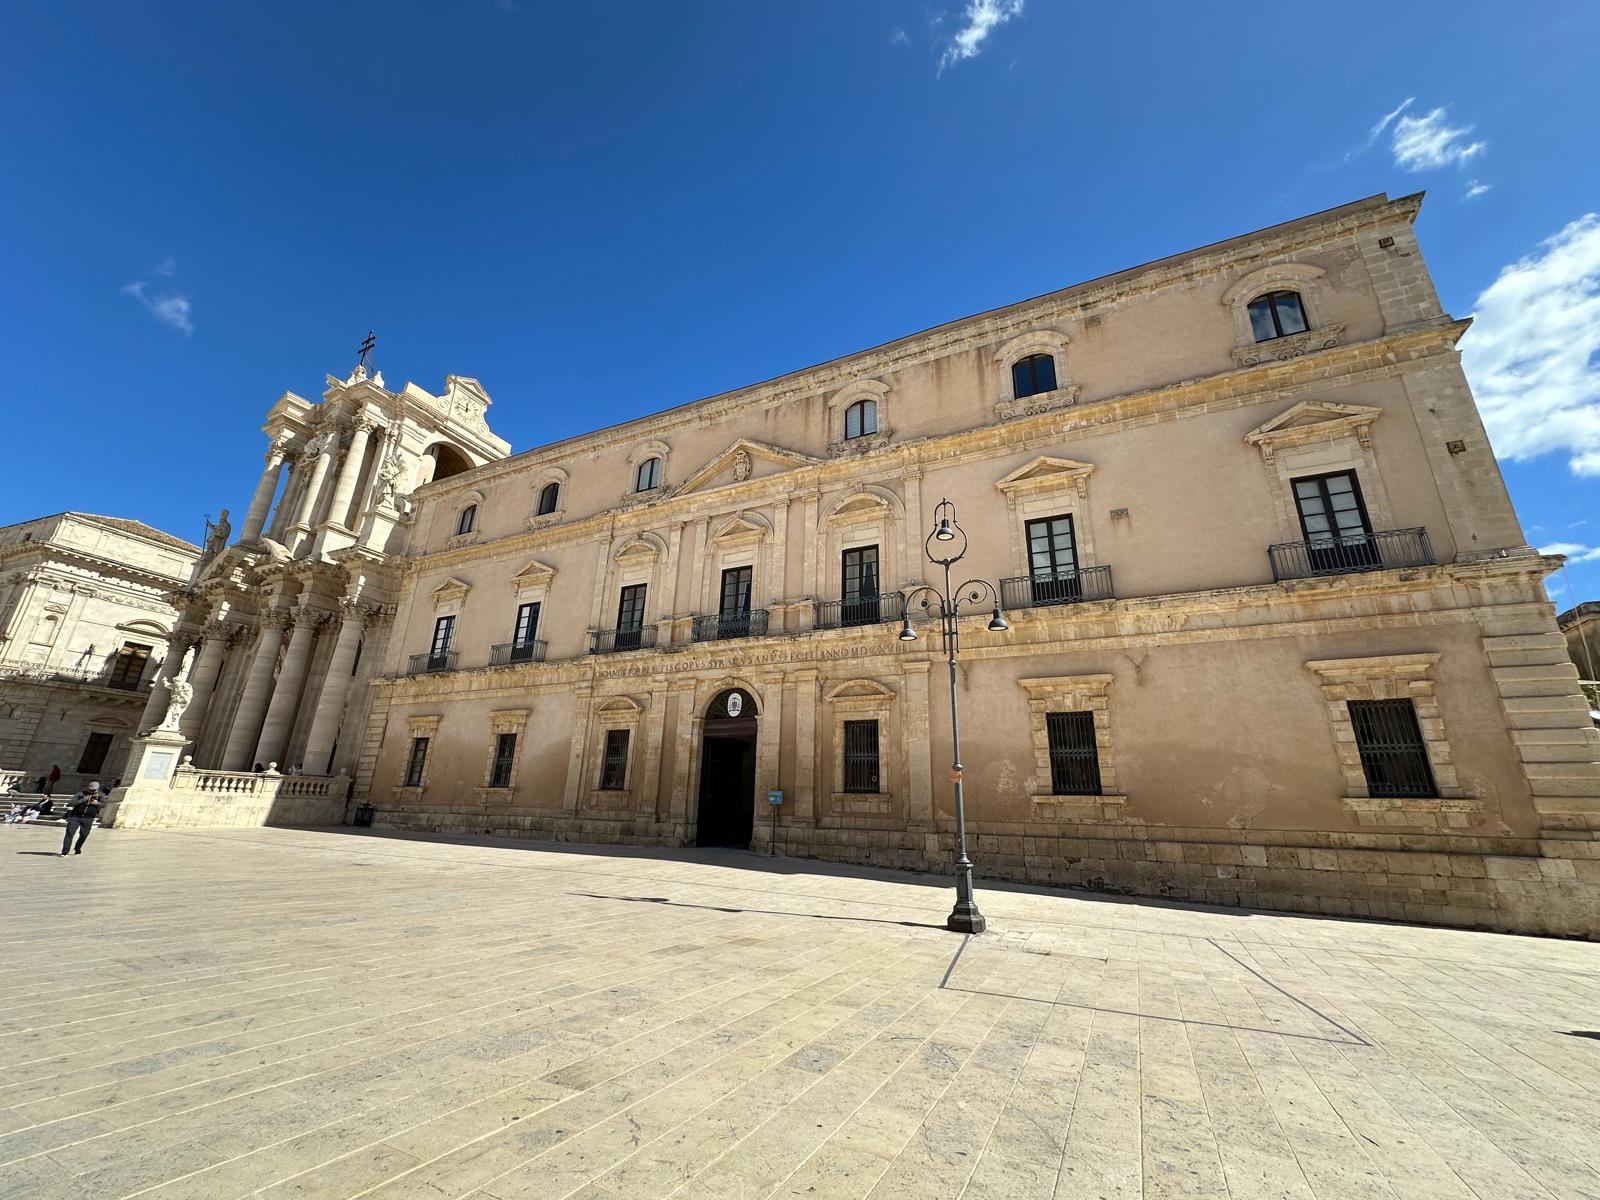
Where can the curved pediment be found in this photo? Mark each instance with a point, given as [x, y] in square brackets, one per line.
[619, 706]
[865, 501]
[643, 547]
[859, 689]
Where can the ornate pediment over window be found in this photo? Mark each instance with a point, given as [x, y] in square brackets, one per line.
[451, 591]
[614, 707]
[858, 690]
[1314, 421]
[743, 460]
[535, 574]
[1046, 473]
[741, 528]
[642, 549]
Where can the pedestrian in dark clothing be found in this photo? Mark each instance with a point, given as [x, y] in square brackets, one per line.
[38, 785]
[55, 778]
[80, 818]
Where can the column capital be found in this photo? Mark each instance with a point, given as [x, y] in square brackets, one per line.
[365, 422]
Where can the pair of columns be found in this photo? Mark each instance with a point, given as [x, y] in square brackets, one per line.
[267, 707]
[305, 510]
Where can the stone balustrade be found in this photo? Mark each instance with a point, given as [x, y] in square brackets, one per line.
[200, 797]
[7, 778]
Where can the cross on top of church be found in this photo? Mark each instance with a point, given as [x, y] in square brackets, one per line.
[365, 360]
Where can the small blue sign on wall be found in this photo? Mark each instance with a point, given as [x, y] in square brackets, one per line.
[775, 796]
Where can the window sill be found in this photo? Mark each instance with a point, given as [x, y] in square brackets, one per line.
[863, 804]
[1413, 812]
[648, 494]
[1010, 408]
[545, 521]
[503, 794]
[405, 791]
[609, 800]
[461, 539]
[845, 447]
[1056, 810]
[1283, 349]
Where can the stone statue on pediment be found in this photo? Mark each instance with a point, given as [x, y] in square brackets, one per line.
[217, 534]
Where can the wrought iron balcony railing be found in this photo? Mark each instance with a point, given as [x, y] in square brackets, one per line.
[1060, 587]
[433, 660]
[516, 652]
[860, 610]
[730, 625]
[1378, 551]
[614, 641]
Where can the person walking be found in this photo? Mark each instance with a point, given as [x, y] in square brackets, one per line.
[80, 818]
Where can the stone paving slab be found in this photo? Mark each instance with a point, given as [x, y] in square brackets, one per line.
[292, 1013]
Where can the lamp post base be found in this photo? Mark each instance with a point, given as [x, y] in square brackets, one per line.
[965, 918]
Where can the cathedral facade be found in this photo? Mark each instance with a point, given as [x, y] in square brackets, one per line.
[1251, 620]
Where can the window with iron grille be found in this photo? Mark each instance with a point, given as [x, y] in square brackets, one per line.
[1074, 755]
[1393, 756]
[414, 764]
[1033, 375]
[861, 756]
[94, 752]
[505, 753]
[614, 766]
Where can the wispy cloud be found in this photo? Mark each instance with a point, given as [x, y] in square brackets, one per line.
[981, 18]
[1575, 552]
[1474, 188]
[170, 308]
[1533, 352]
[1376, 131]
[1429, 142]
[899, 37]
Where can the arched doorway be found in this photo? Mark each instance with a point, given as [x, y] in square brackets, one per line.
[728, 771]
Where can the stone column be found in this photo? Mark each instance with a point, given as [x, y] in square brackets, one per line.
[919, 746]
[306, 516]
[156, 706]
[345, 488]
[279, 523]
[207, 666]
[804, 808]
[253, 699]
[275, 728]
[256, 517]
[582, 697]
[335, 687]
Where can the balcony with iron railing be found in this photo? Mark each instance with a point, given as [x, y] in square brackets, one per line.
[433, 660]
[730, 625]
[508, 653]
[1057, 587]
[615, 641]
[859, 610]
[1381, 550]
[102, 676]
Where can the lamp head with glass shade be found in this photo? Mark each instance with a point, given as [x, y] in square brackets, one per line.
[944, 533]
[997, 623]
[907, 634]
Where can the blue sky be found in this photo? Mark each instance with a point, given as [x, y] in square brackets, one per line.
[602, 210]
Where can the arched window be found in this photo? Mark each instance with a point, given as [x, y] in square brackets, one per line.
[548, 495]
[648, 475]
[1033, 375]
[861, 418]
[1276, 315]
[468, 520]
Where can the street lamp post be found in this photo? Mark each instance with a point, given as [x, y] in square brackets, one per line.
[946, 604]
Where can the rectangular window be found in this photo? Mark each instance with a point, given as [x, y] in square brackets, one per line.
[94, 752]
[630, 617]
[1074, 756]
[439, 650]
[614, 766]
[1053, 560]
[524, 633]
[128, 666]
[414, 764]
[1393, 756]
[735, 601]
[861, 756]
[1334, 521]
[858, 574]
[505, 753]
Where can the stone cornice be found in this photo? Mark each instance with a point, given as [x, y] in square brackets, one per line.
[1379, 357]
[995, 326]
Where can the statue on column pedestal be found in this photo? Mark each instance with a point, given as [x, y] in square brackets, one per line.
[182, 693]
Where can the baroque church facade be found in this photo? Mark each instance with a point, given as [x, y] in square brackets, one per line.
[1272, 632]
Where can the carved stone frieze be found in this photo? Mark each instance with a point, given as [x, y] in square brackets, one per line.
[1043, 402]
[1285, 349]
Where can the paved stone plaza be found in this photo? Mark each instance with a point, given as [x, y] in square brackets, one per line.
[294, 1013]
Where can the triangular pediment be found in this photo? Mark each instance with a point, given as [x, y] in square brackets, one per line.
[741, 527]
[451, 589]
[742, 461]
[1048, 472]
[860, 689]
[535, 572]
[1314, 420]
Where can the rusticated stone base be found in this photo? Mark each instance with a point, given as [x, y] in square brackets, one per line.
[1513, 885]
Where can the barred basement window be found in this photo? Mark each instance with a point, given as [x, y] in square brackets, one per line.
[1393, 756]
[614, 766]
[1074, 755]
[861, 756]
[419, 756]
[505, 752]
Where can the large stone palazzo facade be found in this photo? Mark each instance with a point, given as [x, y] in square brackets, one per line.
[1276, 636]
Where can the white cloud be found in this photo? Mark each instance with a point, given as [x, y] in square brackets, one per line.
[981, 19]
[167, 307]
[1575, 553]
[1376, 131]
[1533, 352]
[899, 37]
[1428, 142]
[1474, 188]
